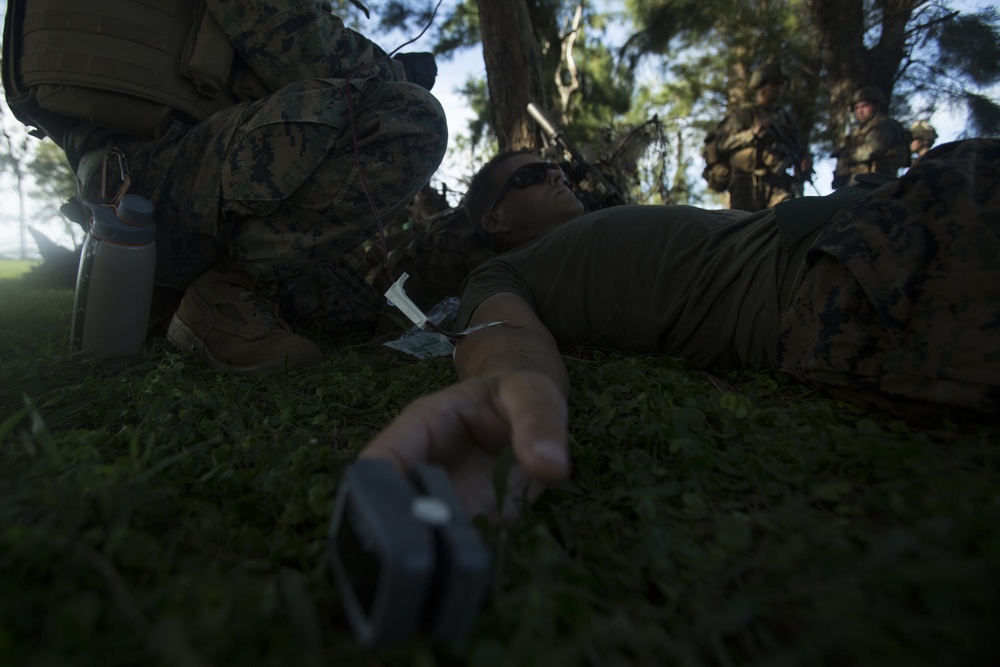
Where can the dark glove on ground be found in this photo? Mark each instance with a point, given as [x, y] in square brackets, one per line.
[420, 68]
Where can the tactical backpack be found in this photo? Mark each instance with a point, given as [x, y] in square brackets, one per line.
[134, 66]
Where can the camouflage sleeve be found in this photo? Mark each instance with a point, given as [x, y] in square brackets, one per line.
[736, 131]
[875, 143]
[292, 40]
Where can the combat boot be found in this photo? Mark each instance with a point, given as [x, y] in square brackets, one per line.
[232, 328]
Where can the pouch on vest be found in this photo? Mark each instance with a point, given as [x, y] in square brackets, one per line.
[134, 67]
[717, 172]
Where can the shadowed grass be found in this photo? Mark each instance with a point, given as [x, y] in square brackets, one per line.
[175, 515]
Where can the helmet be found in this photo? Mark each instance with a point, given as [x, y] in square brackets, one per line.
[921, 129]
[769, 72]
[870, 94]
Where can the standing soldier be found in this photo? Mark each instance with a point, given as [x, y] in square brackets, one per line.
[879, 145]
[922, 137]
[760, 144]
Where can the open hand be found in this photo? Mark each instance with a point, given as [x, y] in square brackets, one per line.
[466, 427]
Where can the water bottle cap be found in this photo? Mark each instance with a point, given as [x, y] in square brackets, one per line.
[136, 210]
[106, 223]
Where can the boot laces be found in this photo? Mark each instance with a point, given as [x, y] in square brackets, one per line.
[263, 307]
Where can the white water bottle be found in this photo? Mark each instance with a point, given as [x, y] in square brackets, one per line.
[114, 286]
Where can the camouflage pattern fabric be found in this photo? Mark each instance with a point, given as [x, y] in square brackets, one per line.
[899, 307]
[284, 187]
[758, 165]
[443, 251]
[293, 40]
[880, 146]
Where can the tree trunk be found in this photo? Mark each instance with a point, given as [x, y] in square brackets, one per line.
[840, 26]
[513, 70]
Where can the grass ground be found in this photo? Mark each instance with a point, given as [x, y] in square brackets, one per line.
[14, 268]
[174, 515]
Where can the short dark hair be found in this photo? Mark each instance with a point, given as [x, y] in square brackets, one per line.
[479, 197]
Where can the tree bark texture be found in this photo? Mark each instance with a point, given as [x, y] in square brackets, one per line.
[840, 27]
[513, 70]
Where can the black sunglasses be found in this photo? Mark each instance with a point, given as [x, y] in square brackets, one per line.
[526, 176]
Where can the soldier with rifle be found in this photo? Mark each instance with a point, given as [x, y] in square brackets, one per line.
[879, 145]
[760, 144]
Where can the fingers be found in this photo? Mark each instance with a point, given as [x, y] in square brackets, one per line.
[433, 429]
[523, 410]
[537, 413]
[465, 427]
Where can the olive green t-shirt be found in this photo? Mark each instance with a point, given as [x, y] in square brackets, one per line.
[707, 285]
[677, 280]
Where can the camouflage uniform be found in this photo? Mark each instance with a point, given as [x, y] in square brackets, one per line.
[441, 253]
[881, 145]
[900, 303]
[280, 186]
[922, 136]
[759, 177]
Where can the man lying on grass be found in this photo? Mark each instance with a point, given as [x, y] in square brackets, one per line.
[886, 296]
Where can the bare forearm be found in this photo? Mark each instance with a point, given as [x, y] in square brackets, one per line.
[521, 344]
[512, 395]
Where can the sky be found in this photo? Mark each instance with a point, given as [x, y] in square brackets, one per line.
[452, 75]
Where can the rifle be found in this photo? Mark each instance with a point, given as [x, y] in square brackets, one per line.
[791, 151]
[595, 186]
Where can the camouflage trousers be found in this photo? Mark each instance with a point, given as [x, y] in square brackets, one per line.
[899, 306]
[285, 187]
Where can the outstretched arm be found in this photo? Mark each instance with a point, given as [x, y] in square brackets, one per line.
[511, 393]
